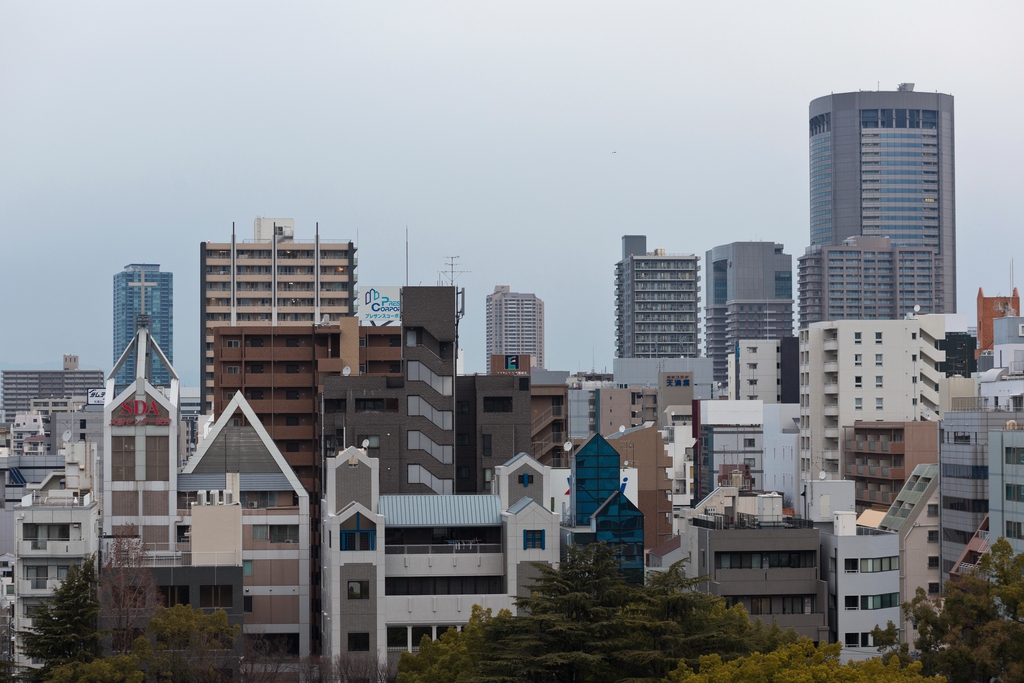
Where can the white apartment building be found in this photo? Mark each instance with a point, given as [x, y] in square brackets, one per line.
[863, 575]
[515, 325]
[398, 567]
[864, 370]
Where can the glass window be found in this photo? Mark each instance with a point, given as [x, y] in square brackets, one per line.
[260, 532]
[533, 539]
[879, 403]
[878, 359]
[246, 567]
[358, 642]
[858, 359]
[358, 590]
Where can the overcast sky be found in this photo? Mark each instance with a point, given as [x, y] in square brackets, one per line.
[131, 132]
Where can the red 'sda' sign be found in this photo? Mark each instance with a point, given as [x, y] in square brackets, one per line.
[139, 408]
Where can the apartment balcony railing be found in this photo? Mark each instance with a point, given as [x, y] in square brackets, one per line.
[451, 548]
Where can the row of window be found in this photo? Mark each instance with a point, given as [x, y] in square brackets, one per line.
[756, 560]
[867, 602]
[868, 565]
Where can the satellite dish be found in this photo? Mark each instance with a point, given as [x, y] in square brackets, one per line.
[821, 475]
[567, 446]
[622, 428]
[325, 319]
[917, 308]
[66, 436]
[346, 371]
[366, 444]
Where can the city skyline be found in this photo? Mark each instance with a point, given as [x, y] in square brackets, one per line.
[673, 150]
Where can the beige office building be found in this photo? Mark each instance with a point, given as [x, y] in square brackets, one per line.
[515, 325]
[272, 279]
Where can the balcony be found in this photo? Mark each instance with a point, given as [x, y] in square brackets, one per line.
[831, 366]
[44, 548]
[831, 388]
[832, 432]
[831, 344]
[832, 410]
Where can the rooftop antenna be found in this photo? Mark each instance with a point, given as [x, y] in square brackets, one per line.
[451, 275]
[407, 256]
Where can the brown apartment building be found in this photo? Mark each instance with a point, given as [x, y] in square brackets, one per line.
[644, 449]
[880, 455]
[270, 280]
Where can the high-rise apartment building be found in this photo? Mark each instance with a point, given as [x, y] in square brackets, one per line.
[882, 164]
[748, 295]
[143, 294]
[868, 278]
[515, 325]
[19, 387]
[656, 302]
[272, 279]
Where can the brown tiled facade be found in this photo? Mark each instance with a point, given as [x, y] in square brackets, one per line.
[280, 370]
[644, 449]
[880, 455]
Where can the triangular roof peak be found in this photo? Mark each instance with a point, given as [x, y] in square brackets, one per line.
[222, 425]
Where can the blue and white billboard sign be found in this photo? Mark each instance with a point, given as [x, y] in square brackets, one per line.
[380, 305]
[96, 397]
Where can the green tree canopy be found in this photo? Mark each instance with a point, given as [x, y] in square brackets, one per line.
[974, 630]
[64, 626]
[117, 669]
[800, 662]
[191, 646]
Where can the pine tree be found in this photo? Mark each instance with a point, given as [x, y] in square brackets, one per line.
[64, 626]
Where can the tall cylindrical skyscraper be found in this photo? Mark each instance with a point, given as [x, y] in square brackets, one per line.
[882, 164]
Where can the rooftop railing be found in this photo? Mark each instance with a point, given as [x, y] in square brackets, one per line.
[451, 548]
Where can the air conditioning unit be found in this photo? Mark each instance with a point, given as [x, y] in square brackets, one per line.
[211, 497]
[201, 498]
[253, 504]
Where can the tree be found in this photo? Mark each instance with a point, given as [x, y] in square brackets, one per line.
[453, 655]
[117, 669]
[64, 626]
[190, 645]
[800, 661]
[128, 592]
[568, 627]
[974, 629]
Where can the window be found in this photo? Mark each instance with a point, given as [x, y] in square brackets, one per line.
[462, 407]
[247, 604]
[1014, 455]
[291, 368]
[373, 439]
[760, 605]
[358, 590]
[878, 360]
[369, 405]
[398, 637]
[174, 595]
[933, 536]
[256, 394]
[878, 381]
[933, 588]
[292, 342]
[858, 359]
[858, 381]
[852, 640]
[246, 567]
[533, 539]
[497, 404]
[856, 337]
[858, 403]
[1013, 530]
[284, 533]
[933, 510]
[231, 343]
[394, 340]
[867, 640]
[883, 601]
[933, 562]
[231, 370]
[487, 450]
[358, 642]
[525, 479]
[748, 443]
[878, 337]
[851, 564]
[256, 342]
[879, 564]
[291, 420]
[291, 395]
[488, 477]
[256, 368]
[879, 403]
[157, 466]
[260, 532]
[852, 602]
[217, 596]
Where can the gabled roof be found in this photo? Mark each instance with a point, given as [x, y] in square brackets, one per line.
[444, 510]
[246, 450]
[521, 505]
[668, 546]
[522, 456]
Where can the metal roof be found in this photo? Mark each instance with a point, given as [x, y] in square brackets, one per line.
[431, 510]
[520, 506]
[248, 481]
